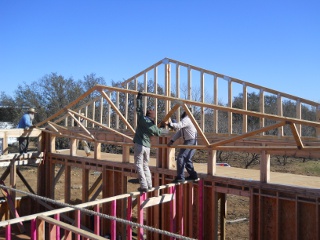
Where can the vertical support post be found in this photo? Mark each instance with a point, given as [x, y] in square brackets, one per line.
[245, 107]
[125, 153]
[215, 112]
[298, 115]
[33, 230]
[171, 158]
[13, 180]
[117, 105]
[77, 222]
[97, 150]
[52, 231]
[265, 167]
[67, 183]
[129, 218]
[39, 145]
[5, 148]
[126, 105]
[230, 105]
[145, 78]
[93, 112]
[190, 203]
[280, 113]
[40, 229]
[223, 214]
[167, 86]
[113, 222]
[73, 146]
[141, 198]
[200, 209]
[52, 144]
[173, 211]
[189, 83]
[8, 232]
[318, 119]
[109, 112]
[101, 110]
[96, 220]
[261, 107]
[180, 229]
[135, 103]
[155, 90]
[57, 228]
[203, 119]
[178, 84]
[212, 162]
[85, 184]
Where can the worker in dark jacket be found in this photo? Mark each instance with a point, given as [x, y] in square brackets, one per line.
[145, 129]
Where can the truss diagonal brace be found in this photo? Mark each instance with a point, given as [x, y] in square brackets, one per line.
[117, 110]
[296, 135]
[103, 126]
[196, 124]
[81, 125]
[80, 136]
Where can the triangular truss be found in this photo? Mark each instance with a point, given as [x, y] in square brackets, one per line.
[173, 104]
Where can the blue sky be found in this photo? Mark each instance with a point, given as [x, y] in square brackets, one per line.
[275, 44]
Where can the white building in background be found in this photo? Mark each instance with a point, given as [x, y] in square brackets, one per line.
[8, 125]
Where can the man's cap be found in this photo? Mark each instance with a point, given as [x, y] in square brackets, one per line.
[151, 114]
[31, 110]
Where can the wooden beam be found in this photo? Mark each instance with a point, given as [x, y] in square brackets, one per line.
[61, 111]
[296, 135]
[169, 114]
[105, 127]
[116, 110]
[265, 167]
[24, 181]
[218, 107]
[70, 228]
[149, 202]
[204, 138]
[249, 134]
[81, 125]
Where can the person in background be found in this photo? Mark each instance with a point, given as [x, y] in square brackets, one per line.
[145, 129]
[25, 123]
[188, 132]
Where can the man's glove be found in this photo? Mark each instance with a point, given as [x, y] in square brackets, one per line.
[139, 95]
[170, 143]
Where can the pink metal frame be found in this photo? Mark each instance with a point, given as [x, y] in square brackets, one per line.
[176, 216]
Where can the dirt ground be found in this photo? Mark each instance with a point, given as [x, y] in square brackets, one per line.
[237, 226]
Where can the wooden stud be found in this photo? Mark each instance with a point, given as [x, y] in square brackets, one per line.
[129, 218]
[245, 107]
[113, 222]
[265, 167]
[230, 98]
[261, 108]
[279, 113]
[215, 101]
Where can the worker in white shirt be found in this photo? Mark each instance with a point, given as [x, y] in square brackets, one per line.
[187, 130]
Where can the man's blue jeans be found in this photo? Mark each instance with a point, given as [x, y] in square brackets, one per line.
[184, 160]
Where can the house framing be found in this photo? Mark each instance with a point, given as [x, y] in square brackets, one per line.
[282, 206]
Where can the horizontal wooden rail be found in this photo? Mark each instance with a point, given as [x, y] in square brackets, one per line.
[67, 227]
